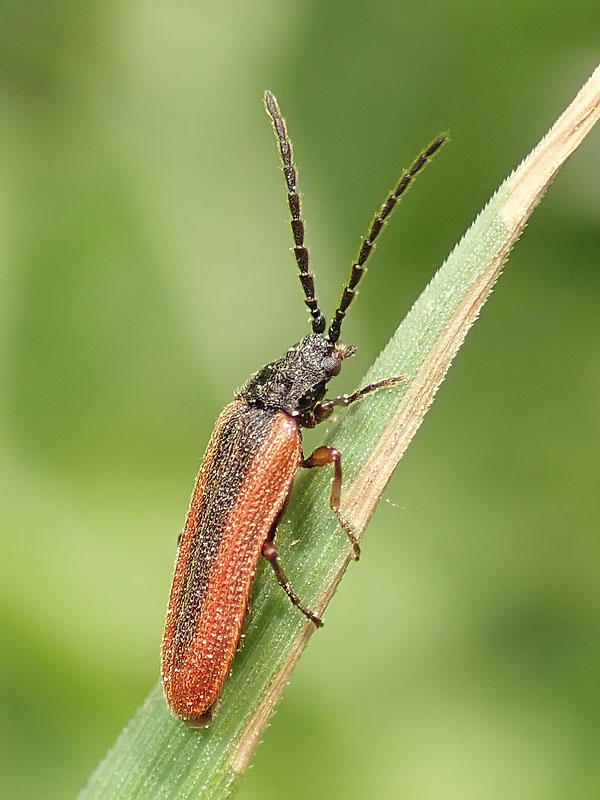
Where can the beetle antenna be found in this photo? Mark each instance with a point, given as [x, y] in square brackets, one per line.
[358, 267]
[307, 278]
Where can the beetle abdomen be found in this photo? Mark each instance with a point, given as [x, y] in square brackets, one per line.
[244, 481]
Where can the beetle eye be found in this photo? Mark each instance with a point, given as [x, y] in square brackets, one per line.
[332, 366]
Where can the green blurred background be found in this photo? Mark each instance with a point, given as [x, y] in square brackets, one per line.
[146, 273]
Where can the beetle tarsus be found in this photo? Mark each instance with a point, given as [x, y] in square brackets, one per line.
[351, 536]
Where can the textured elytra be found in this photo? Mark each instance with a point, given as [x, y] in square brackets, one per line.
[246, 476]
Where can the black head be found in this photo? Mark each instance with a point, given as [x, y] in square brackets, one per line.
[297, 381]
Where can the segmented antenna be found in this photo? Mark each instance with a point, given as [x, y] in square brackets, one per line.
[307, 279]
[358, 267]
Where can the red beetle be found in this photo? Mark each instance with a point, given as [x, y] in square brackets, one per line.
[247, 475]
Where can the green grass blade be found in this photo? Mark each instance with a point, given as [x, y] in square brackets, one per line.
[158, 757]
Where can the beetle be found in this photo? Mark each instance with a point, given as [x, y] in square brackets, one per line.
[247, 474]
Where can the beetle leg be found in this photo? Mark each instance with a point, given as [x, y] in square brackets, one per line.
[324, 409]
[323, 456]
[270, 552]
